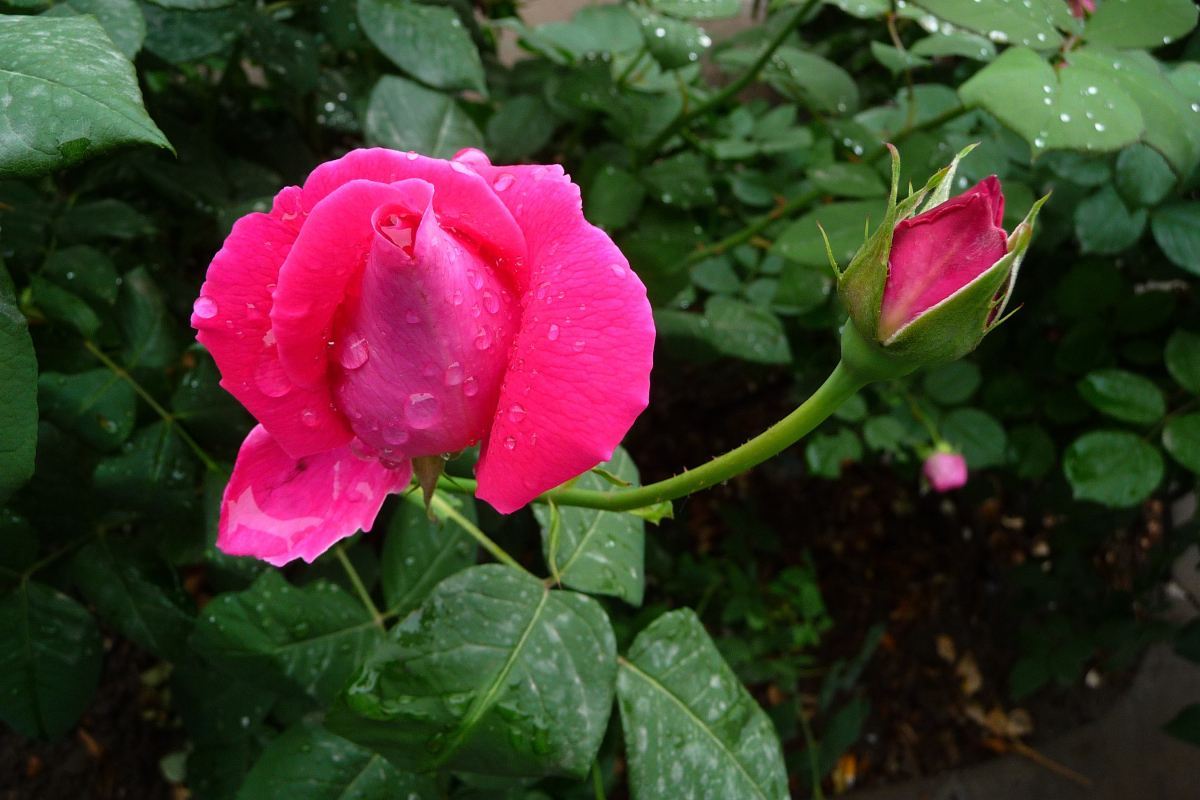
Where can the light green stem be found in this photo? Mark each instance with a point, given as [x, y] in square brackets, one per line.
[841, 384]
[359, 587]
[445, 509]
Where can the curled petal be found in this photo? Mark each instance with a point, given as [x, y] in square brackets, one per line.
[579, 372]
[232, 320]
[280, 508]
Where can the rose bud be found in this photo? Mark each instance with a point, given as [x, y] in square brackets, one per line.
[927, 287]
[398, 307]
[1081, 8]
[945, 471]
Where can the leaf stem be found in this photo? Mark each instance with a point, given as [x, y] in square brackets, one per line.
[359, 587]
[445, 509]
[730, 89]
[597, 781]
[167, 417]
[814, 762]
[840, 384]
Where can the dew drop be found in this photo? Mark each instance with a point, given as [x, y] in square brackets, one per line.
[412, 318]
[552, 334]
[617, 270]
[457, 298]
[309, 418]
[470, 387]
[460, 167]
[510, 443]
[454, 374]
[411, 155]
[270, 377]
[422, 410]
[579, 345]
[395, 434]
[503, 182]
[490, 302]
[1065, 117]
[355, 352]
[204, 307]
[516, 412]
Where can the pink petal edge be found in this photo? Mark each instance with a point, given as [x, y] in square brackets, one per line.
[579, 373]
[278, 508]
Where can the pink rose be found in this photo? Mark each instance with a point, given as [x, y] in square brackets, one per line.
[400, 306]
[937, 253]
[1080, 7]
[945, 471]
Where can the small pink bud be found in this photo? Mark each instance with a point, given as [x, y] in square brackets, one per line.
[1080, 7]
[945, 471]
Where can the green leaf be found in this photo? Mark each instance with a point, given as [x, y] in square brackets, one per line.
[1081, 108]
[136, 593]
[84, 271]
[747, 332]
[681, 181]
[1123, 395]
[1169, 116]
[103, 219]
[287, 54]
[1031, 451]
[672, 43]
[1104, 225]
[155, 472]
[406, 116]
[953, 383]
[494, 674]
[181, 36]
[308, 762]
[826, 452]
[844, 224]
[691, 728]
[1176, 229]
[806, 78]
[599, 552]
[614, 199]
[50, 662]
[1140, 23]
[66, 94]
[96, 405]
[122, 20]
[1181, 437]
[1186, 725]
[848, 180]
[698, 9]
[520, 128]
[1114, 468]
[19, 388]
[978, 435]
[887, 434]
[428, 42]
[1182, 356]
[310, 639]
[895, 60]
[63, 307]
[419, 553]
[147, 326]
[1144, 178]
[967, 45]
[1024, 22]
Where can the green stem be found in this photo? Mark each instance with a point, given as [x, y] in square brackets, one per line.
[840, 384]
[814, 761]
[166, 416]
[806, 198]
[450, 512]
[597, 781]
[733, 87]
[359, 587]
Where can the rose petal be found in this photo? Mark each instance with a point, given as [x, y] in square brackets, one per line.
[326, 263]
[232, 320]
[425, 347]
[937, 253]
[279, 508]
[579, 373]
[463, 200]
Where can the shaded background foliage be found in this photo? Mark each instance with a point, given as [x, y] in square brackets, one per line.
[711, 164]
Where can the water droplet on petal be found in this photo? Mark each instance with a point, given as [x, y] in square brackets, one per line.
[454, 374]
[422, 410]
[309, 418]
[395, 434]
[470, 387]
[552, 334]
[516, 412]
[204, 307]
[579, 345]
[355, 352]
[411, 155]
[490, 302]
[412, 318]
[270, 377]
[456, 298]
[510, 443]
[482, 340]
[617, 270]
[504, 181]
[460, 167]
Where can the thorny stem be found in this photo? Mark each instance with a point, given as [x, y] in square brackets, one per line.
[167, 417]
[448, 511]
[359, 587]
[730, 89]
[840, 384]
